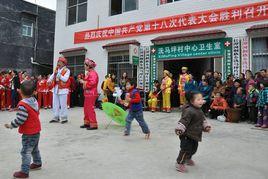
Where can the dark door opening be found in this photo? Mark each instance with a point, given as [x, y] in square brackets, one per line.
[195, 66]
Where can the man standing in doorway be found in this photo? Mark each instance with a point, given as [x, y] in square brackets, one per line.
[183, 79]
[61, 83]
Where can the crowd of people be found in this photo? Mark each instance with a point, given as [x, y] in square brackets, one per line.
[11, 80]
[246, 96]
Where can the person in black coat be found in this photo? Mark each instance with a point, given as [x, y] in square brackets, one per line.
[15, 86]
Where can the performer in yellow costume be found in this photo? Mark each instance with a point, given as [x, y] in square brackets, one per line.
[183, 79]
[166, 91]
[152, 102]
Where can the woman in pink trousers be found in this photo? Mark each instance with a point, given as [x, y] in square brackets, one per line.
[90, 85]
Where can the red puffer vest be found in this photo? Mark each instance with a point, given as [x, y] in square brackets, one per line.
[32, 125]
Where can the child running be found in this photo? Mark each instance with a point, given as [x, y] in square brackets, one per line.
[133, 101]
[190, 128]
[29, 126]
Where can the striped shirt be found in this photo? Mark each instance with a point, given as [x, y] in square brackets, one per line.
[21, 117]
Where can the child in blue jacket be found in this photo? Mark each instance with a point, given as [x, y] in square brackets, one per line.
[133, 101]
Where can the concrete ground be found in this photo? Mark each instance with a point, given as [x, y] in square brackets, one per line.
[68, 152]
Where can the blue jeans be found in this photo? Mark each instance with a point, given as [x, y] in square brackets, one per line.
[30, 149]
[138, 115]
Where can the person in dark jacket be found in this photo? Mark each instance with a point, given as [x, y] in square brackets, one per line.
[133, 101]
[190, 128]
[15, 86]
[252, 99]
[206, 91]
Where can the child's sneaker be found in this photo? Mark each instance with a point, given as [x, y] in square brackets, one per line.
[190, 162]
[147, 136]
[35, 167]
[20, 174]
[264, 126]
[181, 168]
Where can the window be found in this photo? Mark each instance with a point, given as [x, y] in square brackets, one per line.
[160, 2]
[76, 64]
[27, 29]
[120, 6]
[76, 11]
[118, 63]
[259, 53]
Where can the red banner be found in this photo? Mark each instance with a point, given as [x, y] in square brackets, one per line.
[204, 19]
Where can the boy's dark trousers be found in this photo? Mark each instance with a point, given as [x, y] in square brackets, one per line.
[30, 149]
[188, 149]
[252, 114]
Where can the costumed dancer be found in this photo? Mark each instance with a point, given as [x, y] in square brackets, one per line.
[7, 85]
[90, 85]
[2, 92]
[153, 95]
[166, 91]
[60, 81]
[183, 79]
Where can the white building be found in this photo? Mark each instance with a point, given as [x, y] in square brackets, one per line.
[193, 33]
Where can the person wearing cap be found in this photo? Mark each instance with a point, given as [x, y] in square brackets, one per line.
[90, 85]
[183, 79]
[166, 91]
[61, 83]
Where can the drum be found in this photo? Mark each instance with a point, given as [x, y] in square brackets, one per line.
[233, 115]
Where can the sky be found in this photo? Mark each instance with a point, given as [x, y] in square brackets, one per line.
[51, 4]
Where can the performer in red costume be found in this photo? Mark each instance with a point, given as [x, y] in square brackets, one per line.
[2, 92]
[90, 84]
[7, 85]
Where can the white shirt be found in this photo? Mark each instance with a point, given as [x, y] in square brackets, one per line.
[63, 78]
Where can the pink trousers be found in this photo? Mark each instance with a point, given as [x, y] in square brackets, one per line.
[89, 111]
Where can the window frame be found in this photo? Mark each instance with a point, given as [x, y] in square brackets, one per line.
[158, 2]
[124, 6]
[123, 10]
[24, 25]
[77, 10]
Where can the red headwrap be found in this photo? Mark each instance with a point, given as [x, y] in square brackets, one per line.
[90, 63]
[63, 60]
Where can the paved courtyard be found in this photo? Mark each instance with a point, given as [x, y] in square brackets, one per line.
[68, 152]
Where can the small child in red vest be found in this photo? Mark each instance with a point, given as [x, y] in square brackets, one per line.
[27, 119]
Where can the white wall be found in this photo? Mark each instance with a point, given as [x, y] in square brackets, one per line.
[148, 9]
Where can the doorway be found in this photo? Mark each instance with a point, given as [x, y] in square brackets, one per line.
[195, 66]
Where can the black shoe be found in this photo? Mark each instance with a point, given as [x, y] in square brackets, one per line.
[54, 121]
[84, 126]
[92, 128]
[63, 122]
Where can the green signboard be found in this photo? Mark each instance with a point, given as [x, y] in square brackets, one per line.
[195, 49]
[228, 58]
